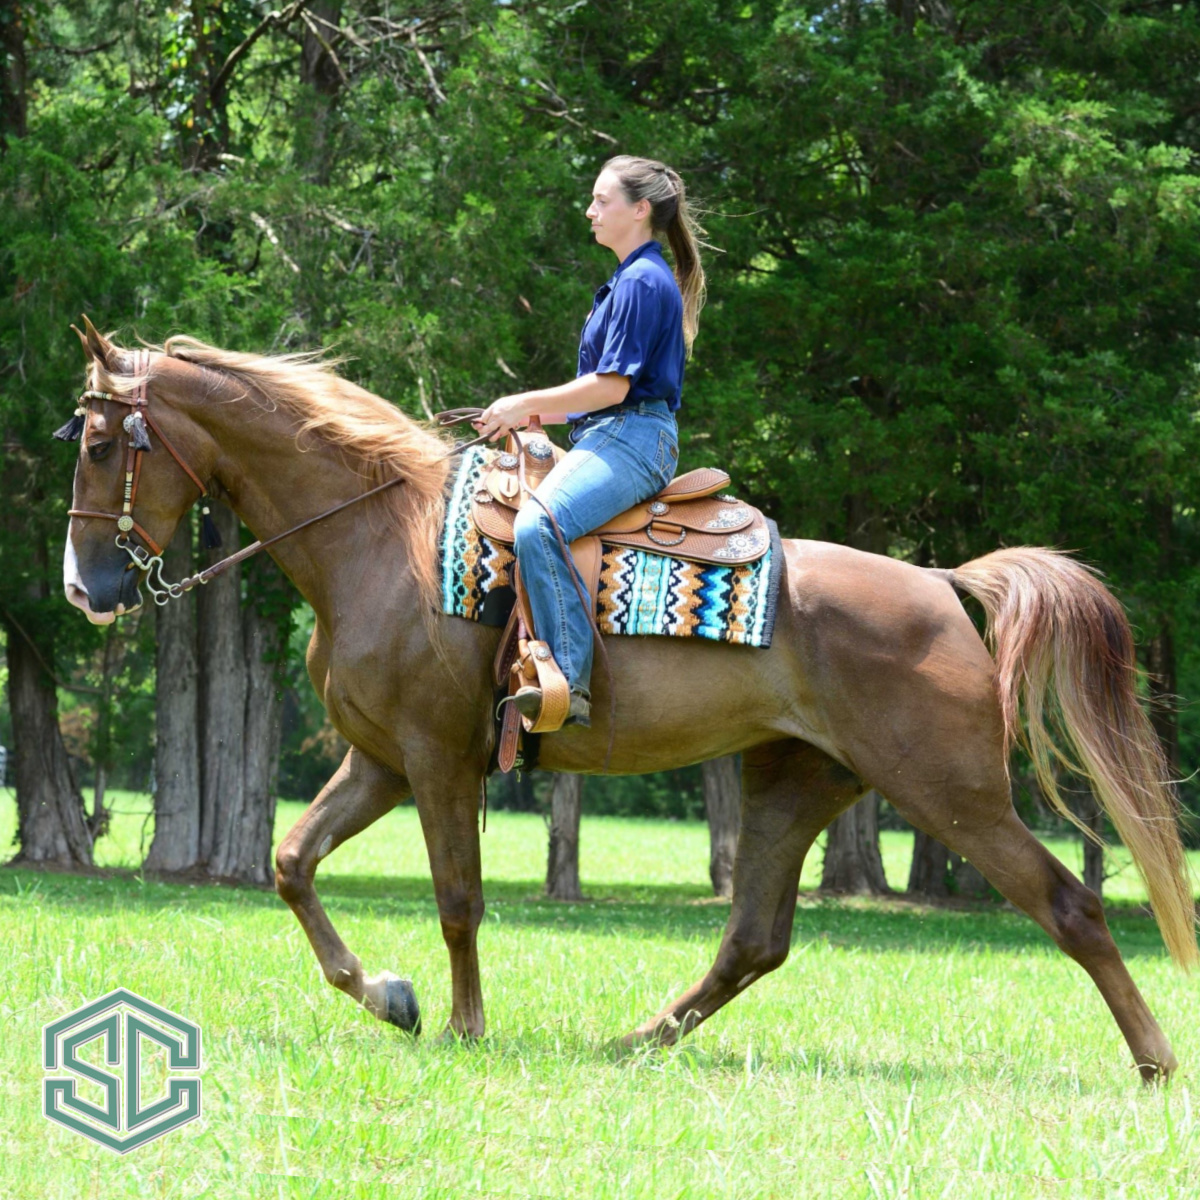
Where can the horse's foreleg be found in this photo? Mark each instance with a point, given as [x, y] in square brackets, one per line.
[449, 812]
[358, 794]
[790, 792]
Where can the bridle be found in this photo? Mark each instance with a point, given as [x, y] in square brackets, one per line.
[138, 424]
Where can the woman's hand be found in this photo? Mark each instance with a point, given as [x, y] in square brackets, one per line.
[504, 414]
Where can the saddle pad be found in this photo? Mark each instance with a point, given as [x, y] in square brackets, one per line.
[640, 593]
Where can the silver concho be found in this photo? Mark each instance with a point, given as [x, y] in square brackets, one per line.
[125, 523]
[506, 462]
[483, 496]
[658, 508]
[540, 449]
[740, 545]
[726, 498]
[727, 518]
[541, 653]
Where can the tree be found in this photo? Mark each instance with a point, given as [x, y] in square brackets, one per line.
[176, 843]
[853, 864]
[562, 867]
[722, 806]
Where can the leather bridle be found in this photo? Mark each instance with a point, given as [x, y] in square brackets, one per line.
[136, 424]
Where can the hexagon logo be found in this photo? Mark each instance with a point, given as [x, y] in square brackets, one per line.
[120, 1121]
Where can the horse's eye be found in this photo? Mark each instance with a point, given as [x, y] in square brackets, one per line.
[97, 450]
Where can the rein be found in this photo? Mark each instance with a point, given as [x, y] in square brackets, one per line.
[139, 444]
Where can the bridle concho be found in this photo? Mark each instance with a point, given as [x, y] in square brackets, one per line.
[148, 561]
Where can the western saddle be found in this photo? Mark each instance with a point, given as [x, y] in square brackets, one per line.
[691, 518]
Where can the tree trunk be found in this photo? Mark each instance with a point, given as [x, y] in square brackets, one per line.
[321, 80]
[723, 805]
[1093, 853]
[222, 694]
[927, 875]
[562, 868]
[176, 844]
[12, 73]
[51, 824]
[853, 864]
[263, 647]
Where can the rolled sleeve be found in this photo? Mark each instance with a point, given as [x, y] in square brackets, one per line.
[633, 330]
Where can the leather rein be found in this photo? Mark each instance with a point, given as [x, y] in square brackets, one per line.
[148, 558]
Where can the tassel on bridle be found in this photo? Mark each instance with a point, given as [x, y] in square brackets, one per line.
[135, 426]
[72, 431]
[210, 535]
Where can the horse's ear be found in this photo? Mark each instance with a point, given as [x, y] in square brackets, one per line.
[87, 350]
[98, 346]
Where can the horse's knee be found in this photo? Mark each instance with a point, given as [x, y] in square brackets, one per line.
[1079, 925]
[461, 912]
[291, 880]
[741, 961]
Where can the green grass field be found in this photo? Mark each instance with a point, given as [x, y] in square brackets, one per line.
[900, 1051]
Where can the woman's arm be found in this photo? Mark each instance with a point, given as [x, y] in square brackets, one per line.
[585, 394]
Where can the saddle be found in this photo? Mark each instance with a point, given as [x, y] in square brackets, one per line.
[692, 518]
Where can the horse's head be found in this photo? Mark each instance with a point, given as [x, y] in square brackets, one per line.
[132, 486]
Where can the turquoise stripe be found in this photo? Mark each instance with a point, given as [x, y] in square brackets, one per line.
[450, 565]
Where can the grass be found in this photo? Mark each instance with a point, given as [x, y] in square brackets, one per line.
[900, 1051]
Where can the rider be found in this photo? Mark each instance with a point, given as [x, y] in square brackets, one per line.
[621, 406]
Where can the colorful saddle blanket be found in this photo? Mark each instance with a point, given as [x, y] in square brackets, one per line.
[639, 593]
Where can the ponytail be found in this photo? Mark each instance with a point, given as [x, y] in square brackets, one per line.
[648, 179]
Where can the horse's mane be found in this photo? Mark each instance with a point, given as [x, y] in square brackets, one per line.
[376, 437]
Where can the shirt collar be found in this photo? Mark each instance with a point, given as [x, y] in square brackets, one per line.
[650, 247]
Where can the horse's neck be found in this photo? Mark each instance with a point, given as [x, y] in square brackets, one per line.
[272, 486]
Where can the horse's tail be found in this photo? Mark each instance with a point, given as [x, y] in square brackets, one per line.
[1065, 660]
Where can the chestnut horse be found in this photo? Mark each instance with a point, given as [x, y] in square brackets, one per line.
[876, 678]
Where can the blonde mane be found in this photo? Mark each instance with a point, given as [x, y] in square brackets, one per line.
[377, 438]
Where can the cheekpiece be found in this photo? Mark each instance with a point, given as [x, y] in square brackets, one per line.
[540, 450]
[507, 462]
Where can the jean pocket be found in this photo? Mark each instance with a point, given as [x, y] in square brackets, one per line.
[666, 457]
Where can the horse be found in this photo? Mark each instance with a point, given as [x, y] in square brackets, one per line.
[876, 677]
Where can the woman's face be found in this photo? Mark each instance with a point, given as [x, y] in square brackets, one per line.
[615, 221]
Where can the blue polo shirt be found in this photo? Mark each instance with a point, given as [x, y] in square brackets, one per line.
[635, 328]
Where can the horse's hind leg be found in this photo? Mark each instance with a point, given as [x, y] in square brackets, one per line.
[790, 792]
[358, 794]
[991, 835]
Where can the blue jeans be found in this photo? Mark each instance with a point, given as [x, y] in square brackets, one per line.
[620, 456]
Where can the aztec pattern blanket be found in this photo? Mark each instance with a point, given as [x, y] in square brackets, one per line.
[640, 593]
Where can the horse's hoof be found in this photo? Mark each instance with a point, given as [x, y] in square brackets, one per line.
[402, 1010]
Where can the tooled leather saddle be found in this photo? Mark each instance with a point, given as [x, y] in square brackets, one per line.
[692, 518]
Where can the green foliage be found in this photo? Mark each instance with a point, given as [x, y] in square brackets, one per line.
[954, 304]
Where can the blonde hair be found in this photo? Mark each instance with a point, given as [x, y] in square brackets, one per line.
[649, 179]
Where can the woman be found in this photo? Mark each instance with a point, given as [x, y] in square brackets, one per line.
[621, 407]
